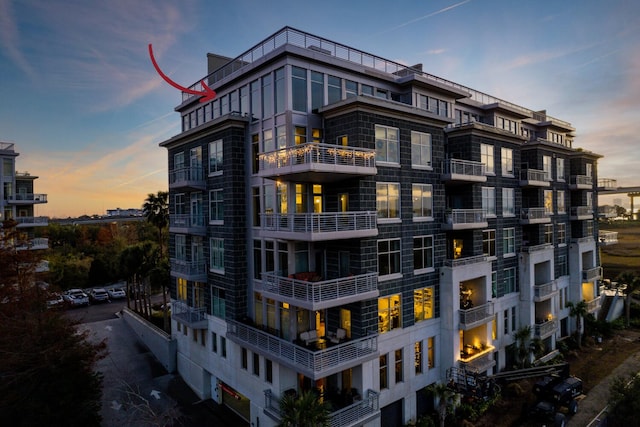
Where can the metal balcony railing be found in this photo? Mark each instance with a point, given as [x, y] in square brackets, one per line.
[312, 226]
[581, 212]
[607, 237]
[607, 183]
[580, 181]
[314, 364]
[545, 290]
[536, 248]
[463, 170]
[534, 177]
[32, 221]
[476, 315]
[187, 221]
[594, 304]
[479, 361]
[322, 293]
[460, 262]
[191, 270]
[591, 274]
[187, 177]
[33, 244]
[27, 198]
[534, 215]
[193, 317]
[543, 330]
[465, 218]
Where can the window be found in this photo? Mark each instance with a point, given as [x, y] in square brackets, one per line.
[489, 201]
[589, 169]
[215, 156]
[508, 202]
[422, 200]
[268, 370]
[216, 206]
[300, 136]
[486, 157]
[178, 161]
[317, 90]
[388, 257]
[509, 280]
[506, 124]
[431, 352]
[181, 247]
[223, 347]
[299, 89]
[494, 284]
[562, 233]
[218, 306]
[214, 342]
[417, 358]
[505, 322]
[384, 375]
[423, 304]
[546, 167]
[281, 137]
[316, 135]
[267, 97]
[548, 234]
[334, 89]
[506, 158]
[256, 364]
[560, 199]
[420, 150]
[422, 254]
[278, 86]
[388, 200]
[182, 288]
[245, 361]
[398, 363]
[509, 242]
[351, 88]
[548, 202]
[342, 140]
[563, 269]
[389, 313]
[366, 90]
[589, 226]
[433, 105]
[514, 319]
[203, 337]
[179, 206]
[560, 169]
[255, 153]
[489, 243]
[216, 255]
[387, 144]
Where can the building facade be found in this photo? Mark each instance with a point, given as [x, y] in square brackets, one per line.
[346, 224]
[18, 200]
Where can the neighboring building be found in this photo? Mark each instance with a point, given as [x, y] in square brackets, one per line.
[344, 223]
[124, 212]
[18, 200]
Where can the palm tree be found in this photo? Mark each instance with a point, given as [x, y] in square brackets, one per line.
[156, 210]
[447, 400]
[632, 280]
[579, 311]
[304, 410]
[522, 337]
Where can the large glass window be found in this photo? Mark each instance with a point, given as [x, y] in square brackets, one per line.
[256, 111]
[279, 92]
[508, 202]
[267, 97]
[389, 313]
[506, 158]
[423, 304]
[560, 199]
[388, 257]
[299, 89]
[489, 242]
[560, 169]
[486, 157]
[489, 201]
[216, 255]
[218, 302]
[420, 149]
[215, 156]
[384, 374]
[387, 144]
[398, 365]
[317, 90]
[216, 205]
[548, 202]
[422, 254]
[388, 200]
[509, 280]
[509, 241]
[334, 89]
[422, 200]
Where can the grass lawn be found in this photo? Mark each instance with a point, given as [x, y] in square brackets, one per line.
[625, 255]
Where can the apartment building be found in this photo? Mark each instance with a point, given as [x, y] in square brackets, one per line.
[18, 200]
[346, 224]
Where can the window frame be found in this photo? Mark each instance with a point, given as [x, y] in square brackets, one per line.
[216, 255]
[509, 242]
[426, 252]
[393, 257]
[383, 194]
[426, 211]
[421, 150]
[506, 162]
[424, 302]
[216, 157]
[216, 206]
[387, 144]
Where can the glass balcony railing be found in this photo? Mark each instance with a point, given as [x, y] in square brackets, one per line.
[460, 219]
[27, 198]
[475, 316]
[535, 216]
[320, 226]
[580, 182]
[190, 270]
[581, 212]
[193, 317]
[189, 177]
[463, 170]
[534, 178]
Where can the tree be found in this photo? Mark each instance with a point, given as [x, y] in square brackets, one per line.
[304, 410]
[624, 401]
[156, 210]
[47, 367]
[522, 337]
[446, 400]
[579, 311]
[632, 281]
[136, 263]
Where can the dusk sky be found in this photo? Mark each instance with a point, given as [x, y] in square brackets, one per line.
[86, 110]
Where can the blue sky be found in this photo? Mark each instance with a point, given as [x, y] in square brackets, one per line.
[82, 102]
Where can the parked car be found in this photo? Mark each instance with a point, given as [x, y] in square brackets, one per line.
[75, 297]
[55, 301]
[99, 295]
[556, 399]
[116, 293]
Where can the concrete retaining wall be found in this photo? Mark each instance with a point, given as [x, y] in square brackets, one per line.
[159, 342]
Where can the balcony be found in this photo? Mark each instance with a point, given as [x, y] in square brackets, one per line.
[464, 219]
[476, 316]
[545, 291]
[357, 413]
[27, 199]
[534, 178]
[580, 182]
[528, 248]
[34, 244]
[193, 317]
[607, 237]
[594, 304]
[580, 213]
[534, 216]
[607, 212]
[321, 294]
[477, 360]
[187, 224]
[188, 178]
[313, 162]
[461, 262]
[457, 170]
[190, 270]
[313, 227]
[31, 221]
[545, 329]
[591, 274]
[314, 364]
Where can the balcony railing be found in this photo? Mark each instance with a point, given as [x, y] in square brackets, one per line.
[543, 330]
[193, 317]
[594, 304]
[187, 223]
[544, 291]
[321, 294]
[591, 274]
[536, 248]
[607, 211]
[581, 212]
[478, 361]
[190, 177]
[27, 198]
[354, 414]
[580, 182]
[190, 270]
[333, 161]
[607, 183]
[33, 244]
[313, 364]
[31, 221]
[460, 262]
[320, 226]
[475, 316]
[535, 216]
[534, 178]
[463, 170]
[607, 237]
[460, 219]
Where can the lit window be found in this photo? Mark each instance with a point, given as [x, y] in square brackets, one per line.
[423, 304]
[548, 202]
[182, 288]
[417, 351]
[506, 157]
[388, 200]
[431, 352]
[389, 313]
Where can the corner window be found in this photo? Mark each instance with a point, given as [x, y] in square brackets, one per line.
[215, 157]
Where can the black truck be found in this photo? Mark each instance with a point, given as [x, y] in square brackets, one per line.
[556, 398]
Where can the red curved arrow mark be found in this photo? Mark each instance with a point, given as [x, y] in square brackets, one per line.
[206, 94]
